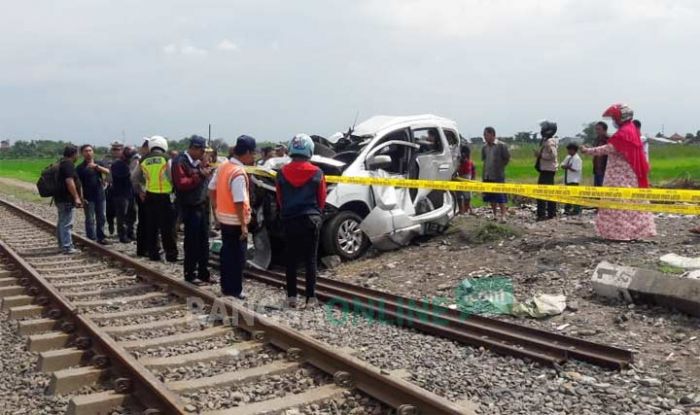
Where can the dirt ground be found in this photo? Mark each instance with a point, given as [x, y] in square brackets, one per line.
[552, 257]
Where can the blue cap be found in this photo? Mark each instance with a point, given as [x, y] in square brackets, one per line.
[244, 144]
[198, 142]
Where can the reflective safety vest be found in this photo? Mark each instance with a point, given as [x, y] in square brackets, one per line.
[155, 168]
[226, 209]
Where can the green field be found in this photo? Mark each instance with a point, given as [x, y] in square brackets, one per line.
[667, 162]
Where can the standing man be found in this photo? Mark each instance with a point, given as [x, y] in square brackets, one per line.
[645, 139]
[67, 198]
[265, 155]
[600, 162]
[92, 182]
[122, 195]
[115, 153]
[573, 166]
[135, 167]
[495, 156]
[190, 181]
[546, 165]
[155, 189]
[230, 198]
[301, 195]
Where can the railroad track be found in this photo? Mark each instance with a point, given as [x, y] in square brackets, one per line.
[424, 315]
[146, 342]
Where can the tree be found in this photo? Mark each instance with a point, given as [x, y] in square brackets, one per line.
[689, 137]
[523, 137]
[588, 134]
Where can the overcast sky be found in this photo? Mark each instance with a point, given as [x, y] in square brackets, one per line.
[86, 70]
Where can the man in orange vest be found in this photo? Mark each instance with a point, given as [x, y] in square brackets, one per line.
[228, 192]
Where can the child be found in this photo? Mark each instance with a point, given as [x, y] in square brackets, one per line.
[466, 170]
[572, 166]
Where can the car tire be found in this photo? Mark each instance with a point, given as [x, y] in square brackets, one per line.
[341, 235]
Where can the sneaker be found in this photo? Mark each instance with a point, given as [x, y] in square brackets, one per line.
[103, 242]
[71, 251]
[291, 302]
[311, 302]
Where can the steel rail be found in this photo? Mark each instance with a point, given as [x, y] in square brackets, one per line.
[143, 380]
[402, 395]
[500, 336]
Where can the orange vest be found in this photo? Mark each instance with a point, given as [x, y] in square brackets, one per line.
[226, 209]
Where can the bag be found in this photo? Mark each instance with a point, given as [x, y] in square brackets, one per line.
[48, 185]
[537, 165]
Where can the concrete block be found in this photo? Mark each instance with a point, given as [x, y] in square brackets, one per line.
[642, 286]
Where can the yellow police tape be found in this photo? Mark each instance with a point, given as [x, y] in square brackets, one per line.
[622, 198]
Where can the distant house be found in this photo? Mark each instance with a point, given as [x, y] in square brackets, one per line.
[677, 138]
[5, 145]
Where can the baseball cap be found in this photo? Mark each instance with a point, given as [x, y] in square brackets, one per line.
[198, 142]
[245, 143]
[117, 144]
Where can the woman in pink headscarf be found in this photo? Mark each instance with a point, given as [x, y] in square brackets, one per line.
[627, 167]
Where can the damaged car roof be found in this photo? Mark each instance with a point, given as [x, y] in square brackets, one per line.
[378, 123]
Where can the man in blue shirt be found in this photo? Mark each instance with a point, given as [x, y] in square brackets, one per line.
[90, 176]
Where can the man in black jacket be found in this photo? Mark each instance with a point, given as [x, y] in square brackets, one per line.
[122, 195]
[190, 182]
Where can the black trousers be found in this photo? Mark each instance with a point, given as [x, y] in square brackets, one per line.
[232, 257]
[196, 220]
[160, 217]
[131, 218]
[121, 212]
[141, 249]
[546, 208]
[110, 214]
[301, 236]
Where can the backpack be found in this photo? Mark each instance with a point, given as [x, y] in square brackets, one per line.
[48, 185]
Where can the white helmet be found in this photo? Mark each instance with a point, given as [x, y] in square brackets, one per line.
[158, 141]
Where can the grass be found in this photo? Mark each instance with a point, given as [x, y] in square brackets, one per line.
[478, 232]
[668, 162]
[27, 170]
[20, 194]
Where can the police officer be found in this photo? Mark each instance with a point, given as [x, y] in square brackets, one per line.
[230, 199]
[155, 189]
[301, 194]
[190, 174]
[115, 153]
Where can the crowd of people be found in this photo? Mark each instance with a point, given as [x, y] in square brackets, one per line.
[147, 191]
[620, 160]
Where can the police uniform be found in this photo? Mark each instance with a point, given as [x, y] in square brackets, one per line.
[158, 206]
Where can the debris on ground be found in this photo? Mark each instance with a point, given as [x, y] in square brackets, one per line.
[643, 286]
[488, 232]
[486, 296]
[679, 261]
[331, 261]
[540, 306]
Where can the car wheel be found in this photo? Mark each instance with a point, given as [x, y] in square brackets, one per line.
[342, 236]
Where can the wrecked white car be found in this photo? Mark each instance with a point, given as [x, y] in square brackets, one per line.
[411, 147]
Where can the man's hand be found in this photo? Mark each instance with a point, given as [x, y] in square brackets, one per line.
[244, 233]
[206, 171]
[142, 196]
[77, 202]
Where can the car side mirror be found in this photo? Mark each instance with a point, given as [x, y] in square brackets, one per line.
[379, 162]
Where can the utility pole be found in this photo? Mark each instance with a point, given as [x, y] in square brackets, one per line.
[209, 142]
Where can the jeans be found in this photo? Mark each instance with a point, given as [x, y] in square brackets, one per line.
[65, 225]
[232, 257]
[301, 236]
[546, 208]
[196, 220]
[95, 220]
[598, 180]
[160, 218]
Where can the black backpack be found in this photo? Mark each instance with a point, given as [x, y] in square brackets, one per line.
[48, 185]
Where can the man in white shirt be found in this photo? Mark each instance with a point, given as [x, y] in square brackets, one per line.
[572, 165]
